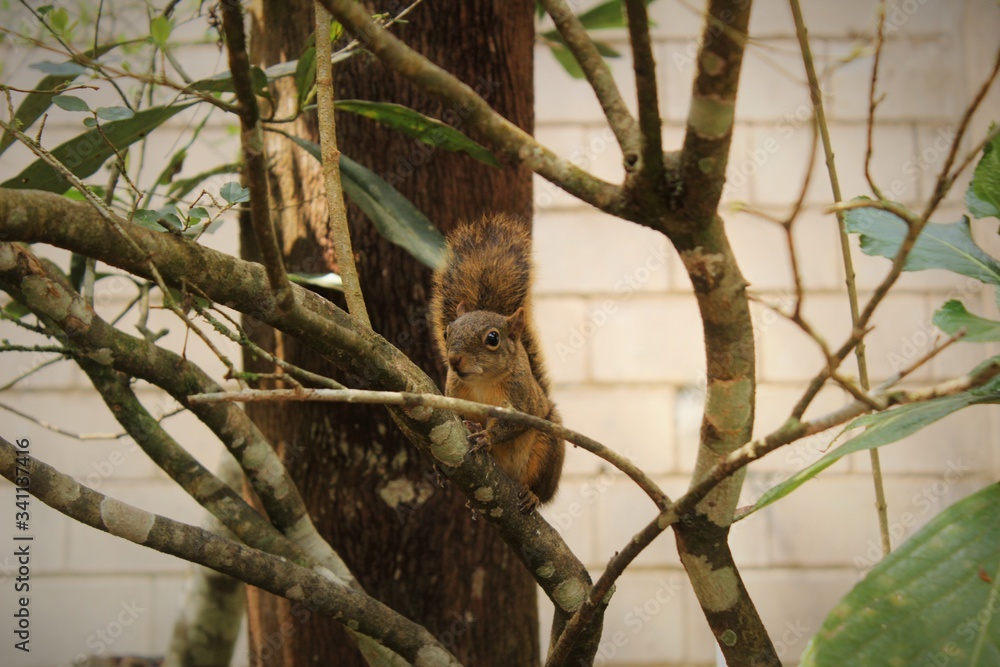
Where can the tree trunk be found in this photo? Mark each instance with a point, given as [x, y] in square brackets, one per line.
[410, 542]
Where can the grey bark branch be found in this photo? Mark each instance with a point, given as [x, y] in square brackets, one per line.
[271, 573]
[254, 155]
[598, 74]
[468, 409]
[369, 360]
[505, 137]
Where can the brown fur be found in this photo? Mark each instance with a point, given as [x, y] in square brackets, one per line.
[484, 286]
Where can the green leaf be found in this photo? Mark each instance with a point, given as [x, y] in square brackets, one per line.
[69, 68]
[15, 310]
[394, 216]
[234, 193]
[568, 61]
[35, 104]
[198, 212]
[952, 316]
[115, 113]
[325, 280]
[160, 220]
[160, 29]
[305, 74]
[58, 19]
[85, 154]
[181, 187]
[415, 124]
[940, 246]
[884, 428]
[931, 602]
[70, 103]
[983, 195]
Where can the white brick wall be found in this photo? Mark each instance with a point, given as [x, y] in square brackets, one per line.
[623, 341]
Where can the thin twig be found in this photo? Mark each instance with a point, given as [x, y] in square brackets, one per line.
[336, 208]
[469, 409]
[789, 432]
[872, 100]
[845, 248]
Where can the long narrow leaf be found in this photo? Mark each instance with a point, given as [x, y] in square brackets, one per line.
[394, 216]
[884, 428]
[84, 154]
[415, 124]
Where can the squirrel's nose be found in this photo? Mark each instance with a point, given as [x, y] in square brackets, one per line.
[455, 361]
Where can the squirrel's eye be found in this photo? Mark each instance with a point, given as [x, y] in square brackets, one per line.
[446, 334]
[492, 339]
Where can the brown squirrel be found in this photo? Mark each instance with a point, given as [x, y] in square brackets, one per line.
[480, 310]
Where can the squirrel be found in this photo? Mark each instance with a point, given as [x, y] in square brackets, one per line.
[480, 310]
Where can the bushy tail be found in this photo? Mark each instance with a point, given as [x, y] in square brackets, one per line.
[488, 267]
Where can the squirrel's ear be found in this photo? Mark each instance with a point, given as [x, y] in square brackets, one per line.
[460, 309]
[515, 323]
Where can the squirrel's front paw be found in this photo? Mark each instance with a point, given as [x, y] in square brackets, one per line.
[478, 437]
[527, 501]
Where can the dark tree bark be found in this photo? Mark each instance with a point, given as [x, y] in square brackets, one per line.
[410, 542]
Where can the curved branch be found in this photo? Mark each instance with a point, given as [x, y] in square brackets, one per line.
[271, 573]
[368, 358]
[713, 104]
[469, 409]
[598, 74]
[503, 136]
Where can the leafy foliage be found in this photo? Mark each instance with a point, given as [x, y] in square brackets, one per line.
[932, 602]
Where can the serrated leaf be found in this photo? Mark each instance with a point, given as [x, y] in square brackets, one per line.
[940, 246]
[68, 68]
[952, 316]
[234, 193]
[933, 601]
[413, 123]
[160, 29]
[325, 280]
[983, 195]
[84, 154]
[394, 216]
[70, 103]
[114, 113]
[884, 428]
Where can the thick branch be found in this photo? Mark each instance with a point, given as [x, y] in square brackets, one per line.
[271, 573]
[368, 359]
[24, 277]
[713, 103]
[502, 135]
[598, 74]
